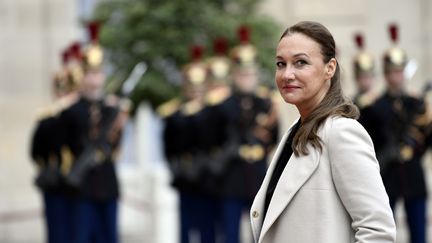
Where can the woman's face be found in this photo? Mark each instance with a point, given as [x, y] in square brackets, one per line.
[302, 77]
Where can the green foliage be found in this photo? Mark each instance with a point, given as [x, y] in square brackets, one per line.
[160, 32]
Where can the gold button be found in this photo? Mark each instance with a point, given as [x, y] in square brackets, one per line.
[255, 214]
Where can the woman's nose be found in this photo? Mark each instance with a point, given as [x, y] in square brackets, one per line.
[289, 73]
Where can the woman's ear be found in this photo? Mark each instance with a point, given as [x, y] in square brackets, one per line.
[330, 68]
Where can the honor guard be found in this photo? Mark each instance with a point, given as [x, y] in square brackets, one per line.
[47, 153]
[92, 131]
[364, 73]
[254, 129]
[178, 115]
[186, 142]
[364, 77]
[394, 123]
[221, 145]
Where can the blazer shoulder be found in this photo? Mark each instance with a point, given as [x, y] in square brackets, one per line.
[338, 124]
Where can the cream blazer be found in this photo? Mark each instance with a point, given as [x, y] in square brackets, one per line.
[331, 196]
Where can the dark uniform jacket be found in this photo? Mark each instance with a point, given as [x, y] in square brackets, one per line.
[100, 182]
[178, 148]
[188, 139]
[46, 151]
[245, 171]
[399, 141]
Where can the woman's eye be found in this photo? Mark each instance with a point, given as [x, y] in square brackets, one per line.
[280, 64]
[300, 62]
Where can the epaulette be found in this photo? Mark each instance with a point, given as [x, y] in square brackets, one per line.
[44, 113]
[217, 96]
[168, 108]
[56, 107]
[263, 92]
[66, 102]
[366, 99]
[191, 107]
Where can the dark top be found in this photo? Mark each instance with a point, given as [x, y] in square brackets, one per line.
[280, 166]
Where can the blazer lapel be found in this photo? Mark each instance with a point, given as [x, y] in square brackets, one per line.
[258, 203]
[296, 173]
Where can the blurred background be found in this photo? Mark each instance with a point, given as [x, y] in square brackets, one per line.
[33, 34]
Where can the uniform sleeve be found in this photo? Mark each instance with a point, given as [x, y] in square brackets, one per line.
[358, 182]
[36, 142]
[69, 133]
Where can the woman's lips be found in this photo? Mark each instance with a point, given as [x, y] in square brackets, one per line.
[289, 88]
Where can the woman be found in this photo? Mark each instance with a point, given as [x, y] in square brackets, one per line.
[323, 184]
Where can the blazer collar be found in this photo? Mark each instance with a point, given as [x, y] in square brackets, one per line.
[296, 173]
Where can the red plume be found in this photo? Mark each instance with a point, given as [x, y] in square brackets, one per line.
[66, 54]
[243, 33]
[393, 29]
[359, 40]
[196, 52]
[75, 51]
[93, 29]
[220, 46]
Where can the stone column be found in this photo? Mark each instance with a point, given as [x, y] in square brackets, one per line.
[33, 33]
